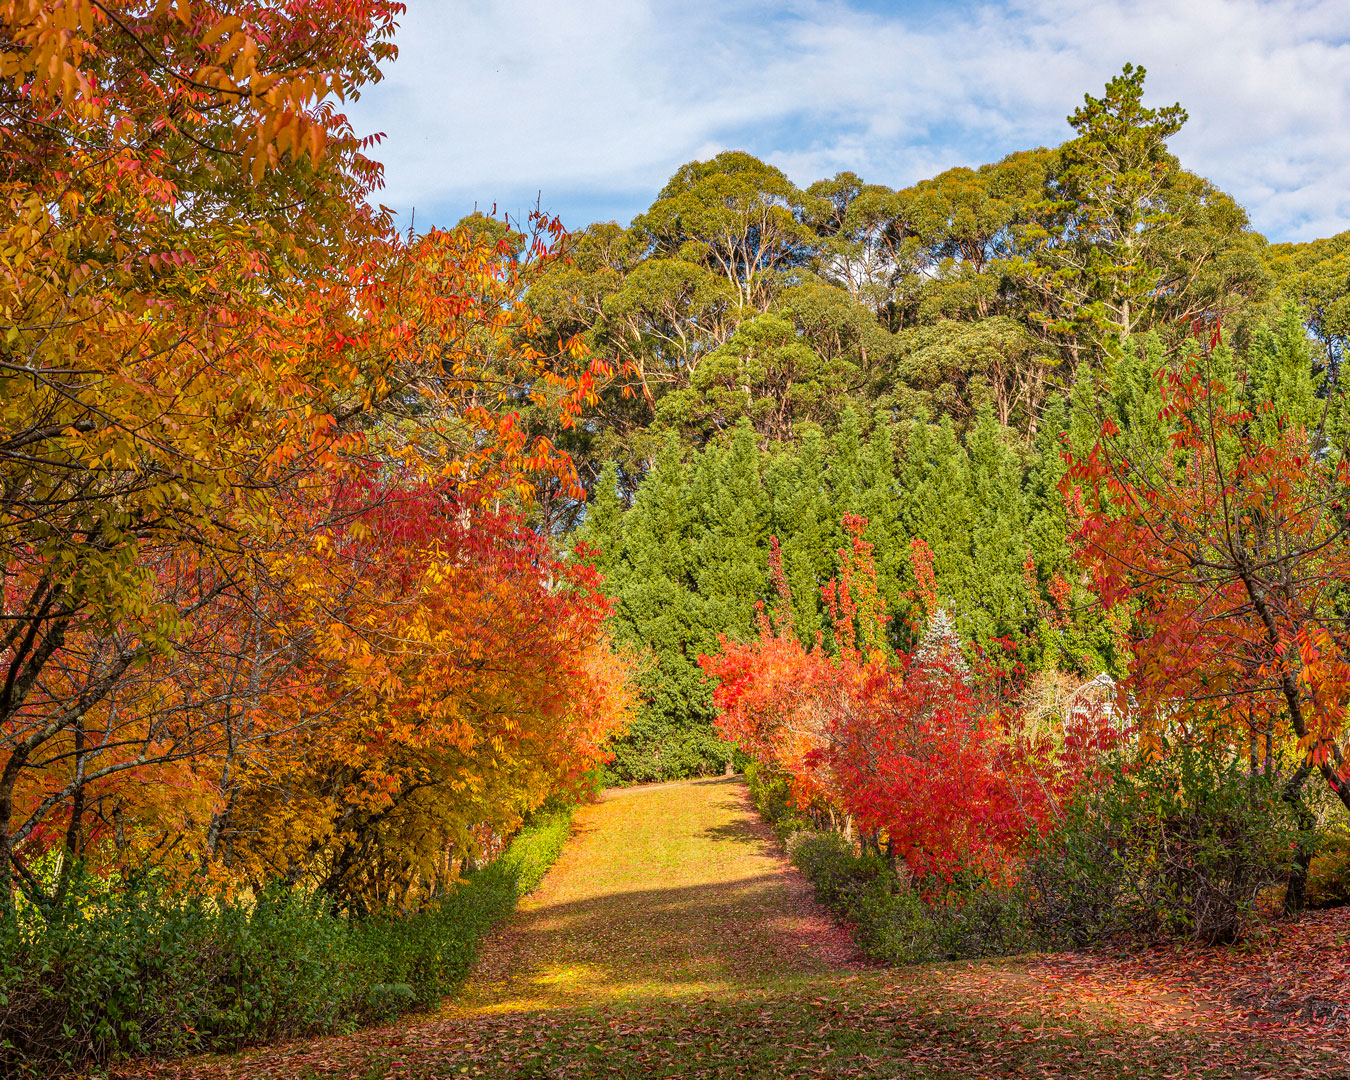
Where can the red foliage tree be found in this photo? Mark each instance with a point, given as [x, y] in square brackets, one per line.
[912, 746]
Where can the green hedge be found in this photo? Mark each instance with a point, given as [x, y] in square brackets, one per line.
[139, 971]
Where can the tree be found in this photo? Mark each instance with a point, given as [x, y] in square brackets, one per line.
[908, 745]
[1126, 240]
[765, 373]
[735, 216]
[162, 363]
[209, 330]
[465, 677]
[1228, 541]
[1316, 276]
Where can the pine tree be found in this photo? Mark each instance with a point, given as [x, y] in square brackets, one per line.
[802, 522]
[846, 472]
[880, 504]
[941, 645]
[730, 556]
[657, 611]
[935, 506]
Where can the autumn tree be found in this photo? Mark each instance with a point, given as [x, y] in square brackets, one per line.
[208, 325]
[1219, 522]
[464, 677]
[910, 746]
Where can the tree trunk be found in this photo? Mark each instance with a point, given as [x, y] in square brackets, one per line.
[72, 851]
[1296, 891]
[8, 779]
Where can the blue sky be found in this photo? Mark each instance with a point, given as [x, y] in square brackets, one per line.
[594, 103]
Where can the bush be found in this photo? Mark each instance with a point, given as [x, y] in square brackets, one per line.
[903, 924]
[1181, 848]
[772, 798]
[134, 969]
[1329, 875]
[892, 920]
[655, 749]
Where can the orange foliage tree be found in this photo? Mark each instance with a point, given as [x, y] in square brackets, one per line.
[1217, 519]
[1228, 540]
[212, 338]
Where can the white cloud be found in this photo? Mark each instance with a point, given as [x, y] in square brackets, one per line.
[597, 103]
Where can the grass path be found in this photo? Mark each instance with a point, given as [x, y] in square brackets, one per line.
[672, 939]
[671, 891]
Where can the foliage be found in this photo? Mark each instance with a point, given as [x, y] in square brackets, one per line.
[1213, 511]
[897, 924]
[771, 794]
[1184, 847]
[738, 295]
[257, 449]
[911, 746]
[1329, 873]
[149, 969]
[960, 321]
[688, 560]
[1315, 276]
[1126, 240]
[490, 690]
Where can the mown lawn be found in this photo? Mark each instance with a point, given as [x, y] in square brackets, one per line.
[671, 939]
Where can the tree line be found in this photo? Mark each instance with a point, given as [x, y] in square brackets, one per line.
[785, 356]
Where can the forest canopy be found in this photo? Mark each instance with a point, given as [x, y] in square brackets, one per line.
[788, 355]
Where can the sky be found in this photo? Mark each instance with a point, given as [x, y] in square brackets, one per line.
[591, 105]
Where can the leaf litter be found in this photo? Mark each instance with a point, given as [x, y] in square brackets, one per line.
[673, 939]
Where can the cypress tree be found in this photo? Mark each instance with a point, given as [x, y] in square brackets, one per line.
[657, 610]
[730, 554]
[997, 601]
[802, 519]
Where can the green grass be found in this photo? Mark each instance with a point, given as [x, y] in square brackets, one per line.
[671, 939]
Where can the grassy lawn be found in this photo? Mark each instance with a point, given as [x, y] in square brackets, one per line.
[672, 939]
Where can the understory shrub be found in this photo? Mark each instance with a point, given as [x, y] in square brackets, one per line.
[1183, 848]
[900, 923]
[134, 969]
[893, 920]
[1329, 875]
[772, 797]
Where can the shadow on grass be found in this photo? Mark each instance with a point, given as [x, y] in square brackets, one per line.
[737, 832]
[729, 933]
[879, 1025]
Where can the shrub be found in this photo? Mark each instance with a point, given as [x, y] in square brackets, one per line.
[1329, 875]
[900, 924]
[131, 968]
[770, 793]
[1179, 848]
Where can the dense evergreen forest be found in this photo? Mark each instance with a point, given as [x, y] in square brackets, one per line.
[789, 355]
